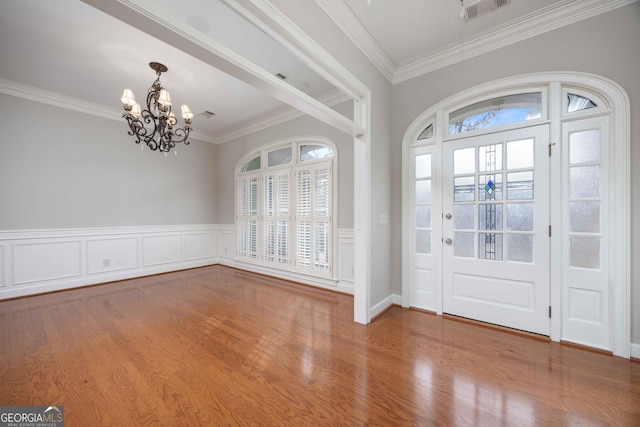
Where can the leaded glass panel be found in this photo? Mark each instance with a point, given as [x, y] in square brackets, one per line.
[520, 185]
[490, 246]
[464, 189]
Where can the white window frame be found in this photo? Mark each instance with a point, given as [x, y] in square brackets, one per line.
[291, 170]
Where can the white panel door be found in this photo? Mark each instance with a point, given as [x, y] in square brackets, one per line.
[495, 228]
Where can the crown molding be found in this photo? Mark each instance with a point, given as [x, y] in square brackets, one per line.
[557, 15]
[354, 25]
[43, 96]
[330, 98]
[547, 19]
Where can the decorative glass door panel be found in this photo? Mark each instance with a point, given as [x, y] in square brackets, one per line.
[586, 239]
[422, 289]
[495, 222]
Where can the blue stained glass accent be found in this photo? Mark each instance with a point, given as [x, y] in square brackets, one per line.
[490, 187]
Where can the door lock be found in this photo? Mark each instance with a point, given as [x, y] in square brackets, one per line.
[448, 241]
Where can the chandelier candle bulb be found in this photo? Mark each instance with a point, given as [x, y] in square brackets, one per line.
[128, 99]
[164, 99]
[186, 112]
[154, 126]
[136, 110]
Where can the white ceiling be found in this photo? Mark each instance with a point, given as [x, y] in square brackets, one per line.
[66, 48]
[409, 29]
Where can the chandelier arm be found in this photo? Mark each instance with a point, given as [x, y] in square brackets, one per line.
[182, 134]
[135, 126]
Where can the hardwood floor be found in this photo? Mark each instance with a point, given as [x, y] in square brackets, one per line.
[217, 346]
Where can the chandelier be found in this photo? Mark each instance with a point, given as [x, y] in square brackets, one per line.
[155, 126]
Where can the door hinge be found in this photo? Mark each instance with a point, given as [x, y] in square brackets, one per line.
[549, 230]
[549, 312]
[551, 144]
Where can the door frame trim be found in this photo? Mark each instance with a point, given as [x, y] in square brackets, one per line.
[615, 95]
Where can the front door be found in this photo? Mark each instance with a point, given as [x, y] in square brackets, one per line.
[496, 228]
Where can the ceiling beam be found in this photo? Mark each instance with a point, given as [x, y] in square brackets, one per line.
[271, 20]
[147, 17]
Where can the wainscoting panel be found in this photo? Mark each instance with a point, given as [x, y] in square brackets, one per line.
[161, 250]
[111, 254]
[41, 261]
[200, 246]
[346, 260]
[3, 270]
[227, 242]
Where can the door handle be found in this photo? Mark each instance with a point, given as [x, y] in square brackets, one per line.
[448, 241]
[448, 216]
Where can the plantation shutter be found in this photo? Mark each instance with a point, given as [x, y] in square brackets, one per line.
[241, 215]
[313, 216]
[247, 216]
[322, 219]
[276, 217]
[304, 219]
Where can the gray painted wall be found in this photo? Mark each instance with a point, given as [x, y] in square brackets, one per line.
[230, 153]
[606, 45]
[64, 169]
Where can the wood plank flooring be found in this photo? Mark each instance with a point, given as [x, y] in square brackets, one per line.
[217, 346]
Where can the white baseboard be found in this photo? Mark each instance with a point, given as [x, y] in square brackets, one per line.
[381, 307]
[397, 299]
